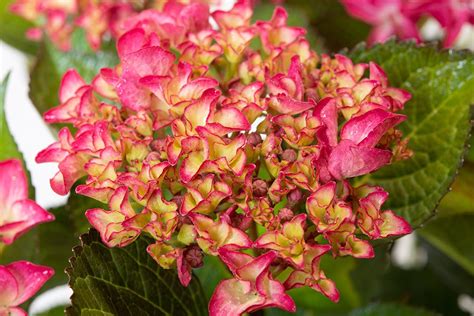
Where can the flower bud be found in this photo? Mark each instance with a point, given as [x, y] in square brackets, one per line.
[254, 139]
[285, 214]
[289, 155]
[294, 197]
[240, 221]
[158, 145]
[260, 188]
[193, 256]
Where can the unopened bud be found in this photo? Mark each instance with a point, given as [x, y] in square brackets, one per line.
[289, 155]
[240, 221]
[260, 188]
[193, 256]
[157, 145]
[285, 214]
[294, 197]
[254, 139]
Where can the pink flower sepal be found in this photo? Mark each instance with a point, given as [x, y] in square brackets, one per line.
[311, 275]
[113, 225]
[213, 235]
[18, 214]
[376, 223]
[252, 287]
[356, 153]
[18, 282]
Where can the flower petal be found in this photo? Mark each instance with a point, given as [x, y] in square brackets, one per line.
[13, 184]
[30, 278]
[348, 160]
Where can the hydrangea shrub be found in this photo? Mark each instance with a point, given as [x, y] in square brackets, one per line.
[214, 136]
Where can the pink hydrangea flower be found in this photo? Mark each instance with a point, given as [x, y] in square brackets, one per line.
[18, 214]
[400, 17]
[169, 146]
[18, 282]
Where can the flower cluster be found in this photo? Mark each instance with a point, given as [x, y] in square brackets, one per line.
[101, 19]
[238, 142]
[401, 17]
[21, 279]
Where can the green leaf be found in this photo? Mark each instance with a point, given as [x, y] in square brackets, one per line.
[52, 63]
[69, 225]
[8, 149]
[127, 281]
[391, 310]
[14, 28]
[55, 311]
[438, 124]
[335, 28]
[451, 230]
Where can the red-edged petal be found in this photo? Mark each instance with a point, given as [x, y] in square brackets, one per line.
[8, 287]
[24, 215]
[70, 83]
[367, 129]
[233, 297]
[393, 225]
[348, 160]
[13, 184]
[29, 277]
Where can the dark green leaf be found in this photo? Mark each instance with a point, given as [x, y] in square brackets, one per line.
[335, 28]
[447, 270]
[8, 149]
[391, 310]
[438, 123]
[451, 230]
[127, 281]
[56, 311]
[70, 223]
[14, 28]
[211, 273]
[52, 63]
[418, 287]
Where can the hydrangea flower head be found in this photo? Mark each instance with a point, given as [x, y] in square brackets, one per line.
[221, 149]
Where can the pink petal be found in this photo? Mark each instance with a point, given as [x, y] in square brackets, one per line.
[16, 311]
[8, 287]
[23, 216]
[233, 297]
[367, 129]
[393, 225]
[275, 295]
[70, 83]
[234, 259]
[254, 268]
[131, 42]
[348, 160]
[13, 184]
[30, 278]
[184, 270]
[326, 111]
[286, 105]
[148, 61]
[228, 119]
